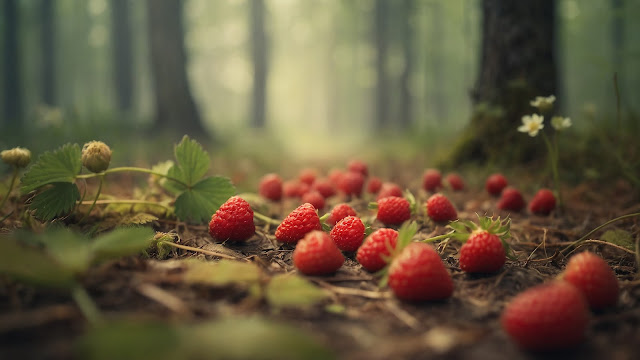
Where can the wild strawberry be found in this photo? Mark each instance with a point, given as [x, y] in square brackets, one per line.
[389, 189]
[232, 221]
[440, 209]
[511, 199]
[314, 198]
[340, 212]
[317, 254]
[294, 188]
[543, 202]
[495, 184]
[375, 247]
[594, 278]
[348, 233]
[482, 253]
[393, 210]
[270, 187]
[431, 180]
[351, 183]
[547, 317]
[307, 176]
[373, 185]
[359, 167]
[334, 176]
[298, 223]
[324, 186]
[455, 182]
[418, 274]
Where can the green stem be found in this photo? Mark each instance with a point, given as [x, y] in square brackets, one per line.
[86, 305]
[122, 201]
[94, 199]
[13, 182]
[554, 167]
[439, 237]
[133, 169]
[265, 218]
[573, 244]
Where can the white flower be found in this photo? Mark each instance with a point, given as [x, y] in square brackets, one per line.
[543, 103]
[559, 123]
[531, 124]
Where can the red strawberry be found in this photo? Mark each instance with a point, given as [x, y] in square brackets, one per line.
[334, 176]
[418, 274]
[547, 317]
[511, 199]
[375, 247]
[294, 188]
[348, 233]
[482, 253]
[324, 186]
[373, 185]
[232, 221]
[495, 184]
[270, 187]
[543, 202]
[594, 278]
[317, 254]
[359, 167]
[455, 182]
[314, 198]
[307, 176]
[389, 189]
[298, 223]
[393, 210]
[340, 212]
[440, 209]
[431, 180]
[351, 183]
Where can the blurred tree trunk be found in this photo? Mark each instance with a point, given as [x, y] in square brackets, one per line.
[617, 32]
[437, 68]
[175, 109]
[47, 40]
[517, 64]
[406, 104]
[122, 53]
[380, 39]
[11, 72]
[259, 54]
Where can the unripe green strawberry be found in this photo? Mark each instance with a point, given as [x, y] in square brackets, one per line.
[317, 254]
[594, 278]
[232, 221]
[18, 157]
[298, 223]
[96, 156]
[371, 255]
[348, 233]
[482, 253]
[393, 210]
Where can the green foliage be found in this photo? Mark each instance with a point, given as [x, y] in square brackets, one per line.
[61, 165]
[619, 237]
[57, 200]
[199, 202]
[192, 162]
[291, 290]
[221, 273]
[121, 242]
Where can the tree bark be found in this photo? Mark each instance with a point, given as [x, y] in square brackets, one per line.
[380, 40]
[406, 101]
[175, 109]
[11, 53]
[47, 39]
[122, 53]
[260, 65]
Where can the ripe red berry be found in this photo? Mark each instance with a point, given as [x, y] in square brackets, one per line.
[307, 176]
[389, 189]
[375, 247]
[594, 278]
[359, 167]
[455, 182]
[351, 183]
[294, 188]
[325, 187]
[431, 180]
[348, 233]
[547, 317]
[340, 212]
[314, 198]
[317, 254]
[511, 199]
[334, 176]
[232, 221]
[543, 202]
[270, 187]
[373, 185]
[298, 223]
[482, 253]
[440, 209]
[495, 184]
[418, 274]
[393, 210]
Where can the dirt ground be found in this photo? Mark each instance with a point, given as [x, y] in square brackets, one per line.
[369, 323]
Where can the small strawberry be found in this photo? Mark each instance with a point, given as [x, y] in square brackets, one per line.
[418, 274]
[334, 176]
[294, 188]
[314, 198]
[324, 186]
[431, 180]
[359, 167]
[440, 209]
[307, 176]
[594, 278]
[348, 233]
[351, 183]
[482, 253]
[232, 221]
[495, 184]
[270, 187]
[371, 255]
[543, 202]
[389, 189]
[393, 210]
[511, 199]
[547, 317]
[340, 212]
[373, 185]
[455, 182]
[298, 223]
[317, 254]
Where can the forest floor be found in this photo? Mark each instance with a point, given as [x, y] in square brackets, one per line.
[356, 319]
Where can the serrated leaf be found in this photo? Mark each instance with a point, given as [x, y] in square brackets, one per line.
[221, 273]
[619, 237]
[192, 162]
[68, 248]
[137, 219]
[200, 202]
[121, 242]
[59, 199]
[163, 168]
[288, 290]
[61, 165]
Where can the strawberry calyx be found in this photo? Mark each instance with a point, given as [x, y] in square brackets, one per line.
[323, 222]
[405, 236]
[463, 229]
[413, 204]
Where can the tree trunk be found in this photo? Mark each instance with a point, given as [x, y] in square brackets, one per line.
[122, 53]
[406, 103]
[175, 109]
[47, 39]
[517, 64]
[380, 39]
[259, 54]
[11, 53]
[437, 83]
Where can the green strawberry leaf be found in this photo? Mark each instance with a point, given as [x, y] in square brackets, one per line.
[619, 237]
[192, 162]
[61, 165]
[200, 202]
[221, 273]
[121, 242]
[288, 290]
[59, 199]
